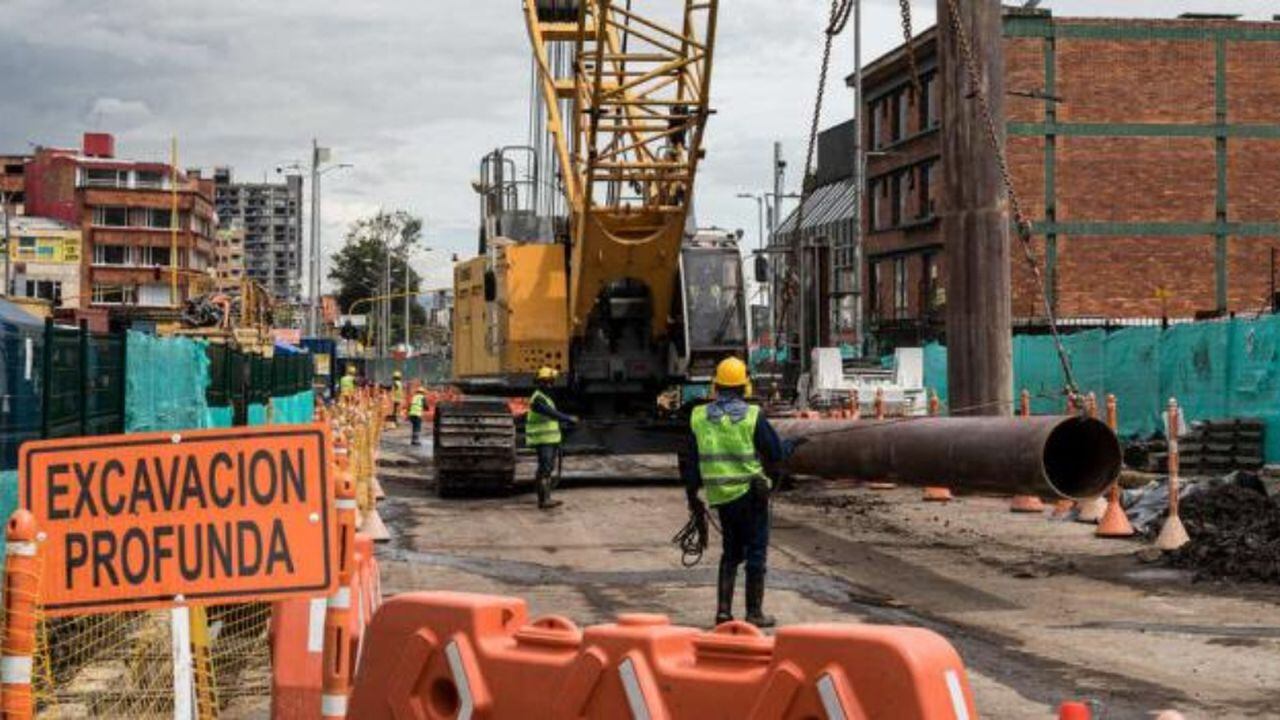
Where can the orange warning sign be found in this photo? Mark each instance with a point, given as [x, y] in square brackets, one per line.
[130, 522]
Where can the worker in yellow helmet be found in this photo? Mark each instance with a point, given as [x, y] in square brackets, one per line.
[397, 397]
[416, 408]
[543, 431]
[731, 442]
[347, 385]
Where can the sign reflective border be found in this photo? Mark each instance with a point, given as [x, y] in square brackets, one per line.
[152, 520]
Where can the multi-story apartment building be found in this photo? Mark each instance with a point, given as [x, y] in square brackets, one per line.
[270, 215]
[229, 258]
[134, 253]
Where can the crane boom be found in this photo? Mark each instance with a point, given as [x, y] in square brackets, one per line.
[628, 152]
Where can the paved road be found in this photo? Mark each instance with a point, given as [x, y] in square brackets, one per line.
[1039, 612]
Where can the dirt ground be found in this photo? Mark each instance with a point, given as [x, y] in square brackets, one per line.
[1040, 610]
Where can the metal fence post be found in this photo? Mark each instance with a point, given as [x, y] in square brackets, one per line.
[85, 385]
[46, 379]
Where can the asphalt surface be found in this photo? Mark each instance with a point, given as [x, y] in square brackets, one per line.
[1040, 611]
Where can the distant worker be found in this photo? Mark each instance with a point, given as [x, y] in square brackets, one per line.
[416, 408]
[731, 441]
[542, 432]
[347, 385]
[397, 397]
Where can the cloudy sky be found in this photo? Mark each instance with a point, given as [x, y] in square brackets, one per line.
[412, 92]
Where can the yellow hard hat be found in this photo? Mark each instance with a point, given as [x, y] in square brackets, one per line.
[731, 373]
[351, 369]
[547, 373]
[396, 374]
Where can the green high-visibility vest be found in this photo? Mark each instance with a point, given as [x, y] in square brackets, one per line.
[397, 391]
[727, 457]
[415, 405]
[540, 429]
[347, 385]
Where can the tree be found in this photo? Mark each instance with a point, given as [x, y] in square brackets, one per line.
[359, 267]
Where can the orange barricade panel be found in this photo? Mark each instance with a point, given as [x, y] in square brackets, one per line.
[297, 644]
[441, 655]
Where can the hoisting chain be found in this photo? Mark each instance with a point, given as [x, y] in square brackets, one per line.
[909, 45]
[1020, 221]
[841, 11]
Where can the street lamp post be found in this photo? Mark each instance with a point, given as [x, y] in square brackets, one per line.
[319, 156]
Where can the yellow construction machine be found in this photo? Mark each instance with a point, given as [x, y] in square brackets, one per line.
[589, 260]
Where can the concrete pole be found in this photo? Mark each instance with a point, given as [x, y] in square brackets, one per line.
[859, 170]
[975, 217]
[406, 299]
[8, 249]
[313, 280]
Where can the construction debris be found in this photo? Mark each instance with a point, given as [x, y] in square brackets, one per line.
[1235, 533]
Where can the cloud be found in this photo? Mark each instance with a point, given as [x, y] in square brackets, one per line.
[412, 93]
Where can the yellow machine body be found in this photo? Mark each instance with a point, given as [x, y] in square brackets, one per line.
[525, 326]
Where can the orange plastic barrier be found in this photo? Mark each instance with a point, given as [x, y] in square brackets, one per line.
[298, 634]
[430, 656]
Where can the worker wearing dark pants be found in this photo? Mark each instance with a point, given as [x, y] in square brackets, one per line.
[416, 407]
[731, 441]
[543, 433]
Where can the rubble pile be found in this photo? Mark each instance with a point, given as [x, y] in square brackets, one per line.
[1235, 534]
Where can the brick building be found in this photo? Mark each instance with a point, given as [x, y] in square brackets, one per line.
[229, 258]
[270, 216]
[13, 169]
[1147, 153]
[123, 209]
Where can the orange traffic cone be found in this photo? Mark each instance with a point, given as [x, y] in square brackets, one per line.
[937, 493]
[1115, 522]
[1072, 710]
[1026, 504]
[1173, 535]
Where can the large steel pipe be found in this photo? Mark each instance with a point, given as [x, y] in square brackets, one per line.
[1073, 457]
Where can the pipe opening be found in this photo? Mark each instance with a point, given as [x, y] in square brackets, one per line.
[1081, 457]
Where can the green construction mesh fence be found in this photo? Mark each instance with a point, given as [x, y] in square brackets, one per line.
[1216, 370]
[167, 380]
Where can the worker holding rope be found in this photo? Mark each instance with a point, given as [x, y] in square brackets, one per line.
[731, 442]
[543, 431]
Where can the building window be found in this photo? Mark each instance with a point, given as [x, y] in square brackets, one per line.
[150, 256]
[895, 201]
[877, 124]
[106, 177]
[902, 105]
[873, 292]
[111, 216]
[148, 179]
[929, 116]
[899, 288]
[924, 206]
[104, 294]
[50, 290]
[112, 255]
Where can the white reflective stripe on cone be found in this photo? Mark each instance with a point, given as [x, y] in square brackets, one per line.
[466, 702]
[635, 694]
[958, 703]
[15, 670]
[315, 624]
[831, 703]
[333, 705]
[341, 600]
[25, 549]
[346, 504]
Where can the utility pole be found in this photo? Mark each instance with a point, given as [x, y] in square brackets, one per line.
[859, 170]
[975, 215]
[8, 248]
[313, 271]
[406, 298]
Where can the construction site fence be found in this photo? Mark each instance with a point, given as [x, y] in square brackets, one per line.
[427, 369]
[1218, 369]
[121, 664]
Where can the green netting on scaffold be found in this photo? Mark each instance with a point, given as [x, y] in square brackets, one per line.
[166, 380]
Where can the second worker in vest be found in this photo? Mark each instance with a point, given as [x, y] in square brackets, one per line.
[731, 443]
[416, 408]
[543, 431]
[397, 397]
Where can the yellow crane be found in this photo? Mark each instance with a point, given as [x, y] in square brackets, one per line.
[588, 260]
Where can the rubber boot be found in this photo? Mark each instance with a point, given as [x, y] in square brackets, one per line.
[724, 591]
[755, 601]
[544, 494]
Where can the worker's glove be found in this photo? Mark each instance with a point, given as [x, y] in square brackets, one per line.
[696, 506]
